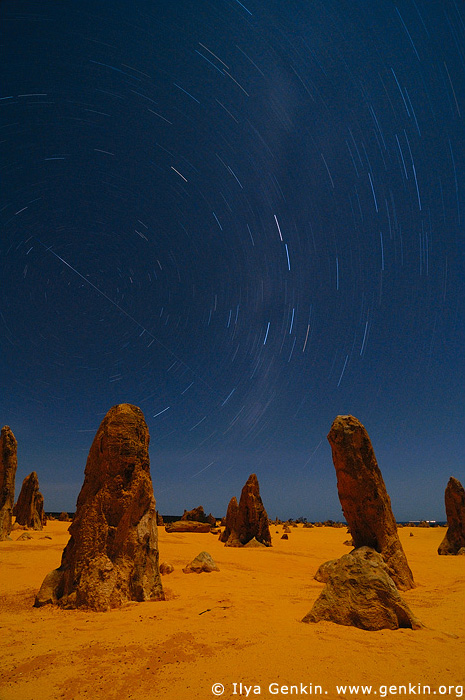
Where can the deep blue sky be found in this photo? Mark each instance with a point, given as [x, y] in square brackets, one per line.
[245, 219]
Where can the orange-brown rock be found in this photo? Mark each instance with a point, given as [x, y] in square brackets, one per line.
[8, 466]
[324, 570]
[160, 521]
[40, 508]
[166, 568]
[199, 516]
[203, 562]
[112, 554]
[250, 520]
[365, 502]
[29, 508]
[187, 526]
[454, 539]
[230, 522]
[359, 592]
[255, 544]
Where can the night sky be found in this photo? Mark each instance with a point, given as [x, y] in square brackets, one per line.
[245, 219]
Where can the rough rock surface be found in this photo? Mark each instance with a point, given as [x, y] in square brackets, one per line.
[454, 539]
[8, 466]
[202, 562]
[365, 502]
[112, 554]
[324, 570]
[360, 593]
[29, 508]
[40, 508]
[187, 526]
[166, 568]
[251, 519]
[230, 522]
[199, 516]
[255, 543]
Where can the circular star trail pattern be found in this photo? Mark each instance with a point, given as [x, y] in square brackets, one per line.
[245, 219]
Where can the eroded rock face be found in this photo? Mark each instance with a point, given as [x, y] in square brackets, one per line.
[29, 508]
[187, 526]
[230, 522]
[255, 544]
[40, 509]
[365, 502]
[360, 593]
[166, 568]
[203, 562]
[454, 539]
[323, 571]
[8, 466]
[198, 515]
[250, 520]
[112, 555]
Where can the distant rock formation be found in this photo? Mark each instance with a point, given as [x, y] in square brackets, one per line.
[360, 593]
[112, 555]
[64, 517]
[160, 521]
[454, 498]
[199, 516]
[203, 562]
[29, 508]
[250, 520]
[365, 502]
[230, 522]
[8, 466]
[40, 509]
[187, 526]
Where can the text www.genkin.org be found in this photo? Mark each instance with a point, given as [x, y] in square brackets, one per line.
[301, 689]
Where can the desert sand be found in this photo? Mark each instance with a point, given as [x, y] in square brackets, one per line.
[239, 625]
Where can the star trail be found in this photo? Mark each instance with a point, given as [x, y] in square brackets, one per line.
[245, 220]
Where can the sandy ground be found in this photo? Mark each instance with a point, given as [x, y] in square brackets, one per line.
[239, 625]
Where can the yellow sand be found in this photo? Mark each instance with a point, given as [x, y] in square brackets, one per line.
[240, 625]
